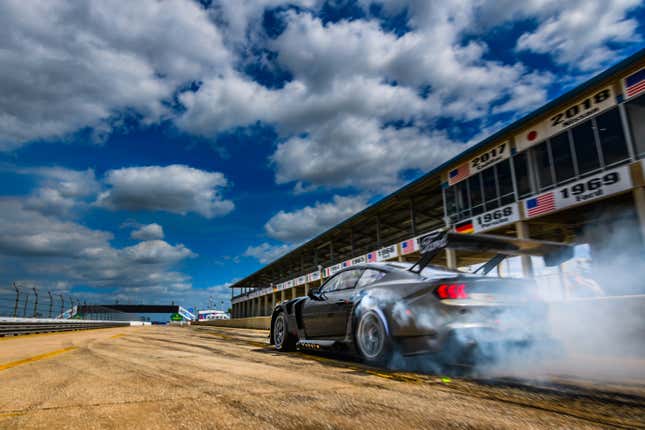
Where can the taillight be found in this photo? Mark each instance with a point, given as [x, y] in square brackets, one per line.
[451, 291]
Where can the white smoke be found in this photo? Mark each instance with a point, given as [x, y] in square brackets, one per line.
[590, 325]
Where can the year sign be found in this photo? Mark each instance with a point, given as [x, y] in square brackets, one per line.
[590, 185]
[579, 111]
[489, 157]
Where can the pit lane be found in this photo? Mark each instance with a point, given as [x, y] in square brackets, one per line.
[207, 377]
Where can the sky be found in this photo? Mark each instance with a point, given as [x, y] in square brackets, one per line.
[158, 151]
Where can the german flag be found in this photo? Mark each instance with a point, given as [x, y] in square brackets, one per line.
[465, 227]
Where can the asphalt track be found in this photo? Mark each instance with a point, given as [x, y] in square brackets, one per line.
[205, 377]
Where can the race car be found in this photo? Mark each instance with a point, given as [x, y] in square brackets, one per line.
[375, 310]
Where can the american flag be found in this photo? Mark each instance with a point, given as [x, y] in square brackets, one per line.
[407, 247]
[540, 204]
[371, 257]
[458, 174]
[635, 84]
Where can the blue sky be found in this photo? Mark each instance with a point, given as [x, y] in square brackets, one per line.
[158, 151]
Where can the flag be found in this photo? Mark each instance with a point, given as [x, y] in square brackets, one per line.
[540, 204]
[407, 247]
[458, 174]
[635, 84]
[371, 257]
[465, 227]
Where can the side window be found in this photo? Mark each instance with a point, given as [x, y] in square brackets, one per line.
[330, 285]
[348, 279]
[369, 276]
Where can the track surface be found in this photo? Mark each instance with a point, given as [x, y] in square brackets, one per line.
[206, 377]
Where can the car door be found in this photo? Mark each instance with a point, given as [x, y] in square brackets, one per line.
[314, 312]
[337, 304]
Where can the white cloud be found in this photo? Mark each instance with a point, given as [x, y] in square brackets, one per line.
[60, 190]
[577, 35]
[157, 252]
[334, 114]
[176, 188]
[71, 65]
[266, 253]
[305, 223]
[46, 250]
[148, 232]
[31, 234]
[358, 152]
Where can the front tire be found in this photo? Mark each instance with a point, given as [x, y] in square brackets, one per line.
[372, 340]
[282, 339]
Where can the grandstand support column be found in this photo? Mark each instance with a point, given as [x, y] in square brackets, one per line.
[306, 288]
[283, 295]
[451, 258]
[273, 300]
[265, 307]
[294, 292]
[522, 229]
[639, 202]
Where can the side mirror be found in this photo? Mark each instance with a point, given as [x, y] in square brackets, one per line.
[313, 294]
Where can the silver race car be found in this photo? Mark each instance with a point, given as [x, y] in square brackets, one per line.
[377, 309]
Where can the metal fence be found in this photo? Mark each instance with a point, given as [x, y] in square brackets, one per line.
[20, 301]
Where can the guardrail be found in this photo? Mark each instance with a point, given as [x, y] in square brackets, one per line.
[19, 326]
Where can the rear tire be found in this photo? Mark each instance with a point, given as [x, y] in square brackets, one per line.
[372, 340]
[282, 339]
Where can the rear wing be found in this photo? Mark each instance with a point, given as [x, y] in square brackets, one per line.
[431, 244]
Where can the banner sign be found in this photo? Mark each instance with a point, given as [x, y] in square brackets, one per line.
[480, 162]
[313, 276]
[592, 188]
[488, 220]
[572, 115]
[333, 269]
[387, 253]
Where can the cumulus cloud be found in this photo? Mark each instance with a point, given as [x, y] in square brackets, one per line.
[266, 252]
[44, 248]
[66, 66]
[31, 234]
[578, 35]
[148, 232]
[305, 223]
[175, 188]
[60, 190]
[358, 152]
[353, 74]
[157, 252]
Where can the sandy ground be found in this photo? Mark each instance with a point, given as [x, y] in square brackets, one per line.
[205, 377]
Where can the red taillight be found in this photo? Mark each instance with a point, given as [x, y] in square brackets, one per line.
[452, 291]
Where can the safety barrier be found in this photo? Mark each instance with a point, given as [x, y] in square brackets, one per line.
[18, 326]
[259, 323]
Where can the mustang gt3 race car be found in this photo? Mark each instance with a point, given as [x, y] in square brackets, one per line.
[376, 309]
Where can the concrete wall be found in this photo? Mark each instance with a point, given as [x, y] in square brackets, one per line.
[260, 323]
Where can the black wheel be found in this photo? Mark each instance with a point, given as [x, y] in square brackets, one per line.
[372, 340]
[282, 339]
